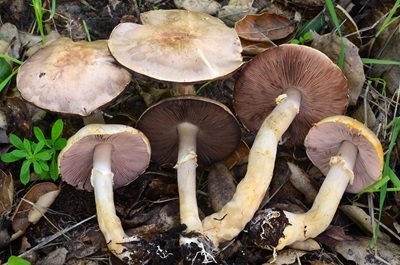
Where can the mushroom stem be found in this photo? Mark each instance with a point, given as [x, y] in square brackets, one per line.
[232, 218]
[186, 171]
[109, 222]
[318, 218]
[95, 117]
[180, 89]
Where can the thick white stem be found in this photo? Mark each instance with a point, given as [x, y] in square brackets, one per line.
[109, 222]
[186, 172]
[318, 218]
[232, 218]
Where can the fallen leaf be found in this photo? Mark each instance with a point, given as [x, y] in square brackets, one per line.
[33, 201]
[358, 250]
[330, 44]
[348, 27]
[204, 6]
[234, 11]
[301, 181]
[56, 257]
[287, 256]
[264, 27]
[254, 47]
[221, 186]
[362, 220]
[389, 51]
[6, 193]
[239, 156]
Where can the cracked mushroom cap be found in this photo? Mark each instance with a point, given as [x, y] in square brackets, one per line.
[323, 142]
[218, 136]
[322, 85]
[177, 46]
[71, 77]
[130, 154]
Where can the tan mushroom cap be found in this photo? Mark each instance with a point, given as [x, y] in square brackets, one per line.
[323, 142]
[130, 154]
[177, 46]
[72, 77]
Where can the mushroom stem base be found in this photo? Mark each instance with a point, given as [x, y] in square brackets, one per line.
[310, 224]
[109, 223]
[227, 223]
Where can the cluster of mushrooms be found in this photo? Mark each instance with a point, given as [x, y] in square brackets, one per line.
[290, 91]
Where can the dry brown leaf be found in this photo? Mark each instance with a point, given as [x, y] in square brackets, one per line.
[204, 6]
[239, 157]
[388, 50]
[254, 48]
[358, 250]
[348, 26]
[221, 186]
[302, 183]
[330, 44]
[20, 219]
[287, 256]
[264, 27]
[234, 11]
[6, 192]
[56, 257]
[361, 219]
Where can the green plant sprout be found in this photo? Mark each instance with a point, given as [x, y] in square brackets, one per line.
[386, 23]
[14, 260]
[39, 13]
[86, 29]
[308, 36]
[6, 71]
[41, 155]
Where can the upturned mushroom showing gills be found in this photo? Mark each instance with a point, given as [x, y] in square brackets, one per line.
[183, 131]
[350, 156]
[178, 46]
[71, 77]
[286, 88]
[104, 157]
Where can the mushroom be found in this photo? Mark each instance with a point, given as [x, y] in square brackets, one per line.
[350, 156]
[184, 130]
[305, 85]
[71, 77]
[177, 46]
[104, 157]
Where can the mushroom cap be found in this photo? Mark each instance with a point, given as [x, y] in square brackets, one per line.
[323, 142]
[177, 46]
[71, 77]
[218, 136]
[322, 85]
[129, 158]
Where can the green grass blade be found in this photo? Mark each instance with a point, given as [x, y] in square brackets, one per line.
[379, 61]
[4, 83]
[9, 58]
[388, 19]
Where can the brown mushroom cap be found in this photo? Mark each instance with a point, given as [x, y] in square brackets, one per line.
[177, 46]
[323, 142]
[130, 154]
[218, 136]
[322, 85]
[71, 77]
